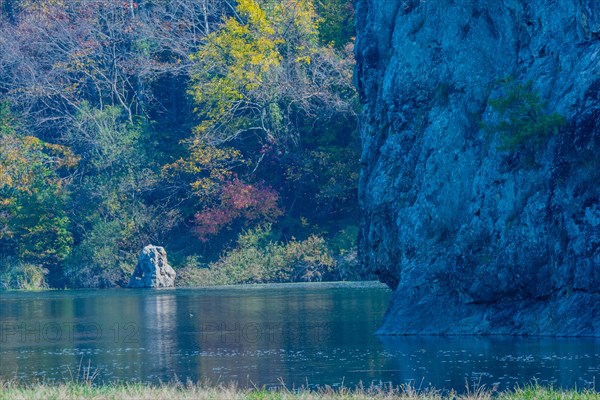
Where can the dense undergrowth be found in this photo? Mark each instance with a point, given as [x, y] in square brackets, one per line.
[259, 257]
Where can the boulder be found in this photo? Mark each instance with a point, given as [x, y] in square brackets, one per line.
[152, 270]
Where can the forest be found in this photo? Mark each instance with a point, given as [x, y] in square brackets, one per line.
[224, 131]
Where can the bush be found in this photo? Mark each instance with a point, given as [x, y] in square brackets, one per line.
[100, 260]
[19, 275]
[257, 258]
[347, 267]
[521, 117]
[191, 272]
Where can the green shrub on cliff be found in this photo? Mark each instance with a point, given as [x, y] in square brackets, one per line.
[522, 119]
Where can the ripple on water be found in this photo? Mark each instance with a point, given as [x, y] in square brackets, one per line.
[169, 345]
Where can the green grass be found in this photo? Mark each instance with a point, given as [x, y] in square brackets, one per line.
[179, 391]
[544, 393]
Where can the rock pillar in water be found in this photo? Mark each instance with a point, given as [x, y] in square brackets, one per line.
[152, 270]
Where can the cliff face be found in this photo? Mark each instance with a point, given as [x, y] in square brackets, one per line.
[473, 237]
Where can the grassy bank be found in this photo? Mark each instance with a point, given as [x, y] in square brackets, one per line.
[192, 391]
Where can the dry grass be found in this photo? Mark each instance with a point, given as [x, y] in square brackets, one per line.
[188, 391]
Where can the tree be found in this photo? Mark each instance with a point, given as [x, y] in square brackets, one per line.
[34, 196]
[107, 153]
[337, 17]
[263, 74]
[113, 212]
[56, 54]
[238, 200]
[265, 85]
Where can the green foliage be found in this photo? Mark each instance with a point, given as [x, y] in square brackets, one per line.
[328, 177]
[345, 240]
[33, 195]
[101, 156]
[110, 211]
[103, 258]
[239, 68]
[7, 122]
[104, 138]
[521, 117]
[258, 72]
[345, 247]
[261, 82]
[258, 258]
[18, 275]
[80, 389]
[336, 22]
[205, 169]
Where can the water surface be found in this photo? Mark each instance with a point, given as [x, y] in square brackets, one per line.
[298, 334]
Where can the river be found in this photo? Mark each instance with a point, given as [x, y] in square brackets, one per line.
[295, 334]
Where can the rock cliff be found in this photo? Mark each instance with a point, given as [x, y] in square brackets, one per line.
[473, 236]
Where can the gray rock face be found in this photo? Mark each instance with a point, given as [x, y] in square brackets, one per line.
[152, 270]
[474, 239]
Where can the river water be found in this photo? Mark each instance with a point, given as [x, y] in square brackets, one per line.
[296, 334]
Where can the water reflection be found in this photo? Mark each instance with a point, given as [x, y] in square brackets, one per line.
[159, 326]
[316, 334]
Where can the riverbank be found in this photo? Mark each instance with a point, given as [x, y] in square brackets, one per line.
[178, 391]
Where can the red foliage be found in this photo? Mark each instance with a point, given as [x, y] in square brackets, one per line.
[210, 221]
[238, 200]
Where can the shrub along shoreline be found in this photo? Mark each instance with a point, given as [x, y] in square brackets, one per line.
[259, 255]
[179, 391]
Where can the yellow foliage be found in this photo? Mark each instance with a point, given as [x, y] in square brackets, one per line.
[43, 6]
[241, 64]
[27, 162]
[256, 16]
[208, 166]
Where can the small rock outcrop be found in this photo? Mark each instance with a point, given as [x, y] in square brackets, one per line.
[475, 238]
[152, 270]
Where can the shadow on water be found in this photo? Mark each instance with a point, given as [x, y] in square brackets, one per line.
[495, 361]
